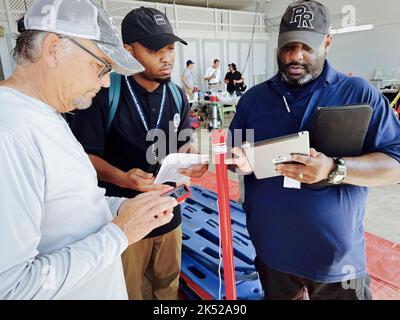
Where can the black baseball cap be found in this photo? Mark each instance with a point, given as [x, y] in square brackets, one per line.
[189, 62]
[305, 21]
[149, 27]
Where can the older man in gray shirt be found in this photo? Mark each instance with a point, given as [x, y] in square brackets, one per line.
[60, 237]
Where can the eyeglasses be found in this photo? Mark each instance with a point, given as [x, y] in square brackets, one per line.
[107, 67]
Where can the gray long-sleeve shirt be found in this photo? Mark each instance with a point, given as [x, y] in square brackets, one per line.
[56, 239]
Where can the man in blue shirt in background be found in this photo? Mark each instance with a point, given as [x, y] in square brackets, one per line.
[311, 241]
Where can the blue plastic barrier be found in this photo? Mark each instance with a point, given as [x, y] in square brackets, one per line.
[200, 245]
[188, 293]
[208, 198]
[208, 281]
[201, 231]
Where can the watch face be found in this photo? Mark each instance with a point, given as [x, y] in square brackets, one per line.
[340, 161]
[338, 178]
[339, 174]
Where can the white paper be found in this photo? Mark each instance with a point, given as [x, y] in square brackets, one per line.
[291, 183]
[174, 161]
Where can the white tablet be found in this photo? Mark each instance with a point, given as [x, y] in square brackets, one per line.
[265, 155]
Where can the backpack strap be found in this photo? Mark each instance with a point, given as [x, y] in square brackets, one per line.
[113, 97]
[176, 94]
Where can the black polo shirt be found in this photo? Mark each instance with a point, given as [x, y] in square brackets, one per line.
[124, 145]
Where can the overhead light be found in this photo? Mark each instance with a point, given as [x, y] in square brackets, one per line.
[353, 29]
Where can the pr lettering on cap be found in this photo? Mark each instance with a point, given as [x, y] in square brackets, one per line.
[302, 17]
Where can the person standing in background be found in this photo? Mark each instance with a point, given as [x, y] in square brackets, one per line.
[213, 76]
[187, 78]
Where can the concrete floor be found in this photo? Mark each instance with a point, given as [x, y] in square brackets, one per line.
[383, 205]
[383, 212]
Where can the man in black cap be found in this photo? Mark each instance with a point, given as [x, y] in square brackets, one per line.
[187, 78]
[310, 241]
[130, 128]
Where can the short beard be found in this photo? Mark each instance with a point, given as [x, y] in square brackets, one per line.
[81, 103]
[312, 71]
[158, 80]
[308, 77]
[162, 80]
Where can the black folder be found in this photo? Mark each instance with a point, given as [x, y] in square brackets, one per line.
[339, 131]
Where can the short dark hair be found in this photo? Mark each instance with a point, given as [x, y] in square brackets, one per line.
[216, 60]
[26, 46]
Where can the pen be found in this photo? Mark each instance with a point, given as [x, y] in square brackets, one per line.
[157, 170]
[286, 104]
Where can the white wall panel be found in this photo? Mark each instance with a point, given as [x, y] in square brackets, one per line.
[259, 60]
[177, 70]
[233, 52]
[247, 74]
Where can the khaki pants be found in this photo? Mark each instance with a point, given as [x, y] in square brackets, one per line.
[216, 86]
[152, 267]
[189, 92]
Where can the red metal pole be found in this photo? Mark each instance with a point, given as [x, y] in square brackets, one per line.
[219, 149]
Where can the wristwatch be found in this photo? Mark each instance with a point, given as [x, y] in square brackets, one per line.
[339, 174]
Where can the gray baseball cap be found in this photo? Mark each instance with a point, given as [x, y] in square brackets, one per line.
[305, 21]
[86, 20]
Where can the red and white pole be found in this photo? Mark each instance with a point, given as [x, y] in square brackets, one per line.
[219, 150]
